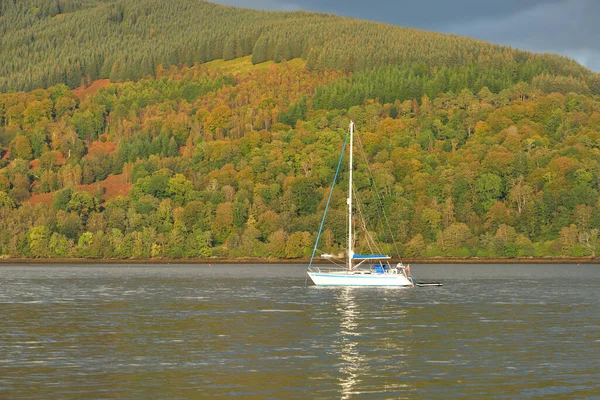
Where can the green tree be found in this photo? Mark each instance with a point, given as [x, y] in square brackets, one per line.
[490, 188]
[39, 237]
[455, 236]
[276, 244]
[176, 243]
[305, 196]
[416, 246]
[83, 204]
[297, 245]
[84, 245]
[61, 199]
[181, 190]
[20, 147]
[198, 244]
[59, 246]
[6, 201]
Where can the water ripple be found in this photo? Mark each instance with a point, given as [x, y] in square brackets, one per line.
[254, 331]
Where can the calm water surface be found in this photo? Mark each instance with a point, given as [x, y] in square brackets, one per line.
[140, 332]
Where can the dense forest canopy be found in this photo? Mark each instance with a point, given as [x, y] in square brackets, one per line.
[46, 42]
[217, 131]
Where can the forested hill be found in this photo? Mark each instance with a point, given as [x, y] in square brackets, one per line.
[45, 42]
[202, 130]
[234, 160]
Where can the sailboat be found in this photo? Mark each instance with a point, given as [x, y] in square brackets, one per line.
[358, 269]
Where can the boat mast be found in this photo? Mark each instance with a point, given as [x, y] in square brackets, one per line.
[350, 244]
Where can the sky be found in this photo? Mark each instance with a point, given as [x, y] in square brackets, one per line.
[567, 27]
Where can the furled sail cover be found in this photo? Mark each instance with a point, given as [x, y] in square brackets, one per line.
[370, 256]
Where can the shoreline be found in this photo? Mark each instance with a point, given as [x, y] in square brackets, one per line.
[164, 261]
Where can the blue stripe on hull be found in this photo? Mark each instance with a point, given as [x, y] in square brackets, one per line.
[349, 284]
[371, 276]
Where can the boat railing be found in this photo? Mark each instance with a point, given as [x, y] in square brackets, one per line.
[321, 270]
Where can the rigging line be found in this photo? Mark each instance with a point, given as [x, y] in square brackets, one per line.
[371, 243]
[340, 263]
[379, 200]
[359, 215]
[332, 260]
[312, 257]
[360, 146]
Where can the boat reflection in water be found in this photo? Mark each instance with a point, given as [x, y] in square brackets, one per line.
[361, 366]
[352, 363]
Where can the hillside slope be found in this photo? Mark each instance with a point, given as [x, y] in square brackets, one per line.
[48, 42]
[186, 149]
[234, 160]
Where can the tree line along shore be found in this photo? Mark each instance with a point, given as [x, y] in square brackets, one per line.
[211, 261]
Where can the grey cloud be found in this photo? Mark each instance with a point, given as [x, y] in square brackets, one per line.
[567, 28]
[423, 13]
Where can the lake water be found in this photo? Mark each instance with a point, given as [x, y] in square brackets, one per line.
[193, 331]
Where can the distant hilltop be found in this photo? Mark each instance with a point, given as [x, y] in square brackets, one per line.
[45, 42]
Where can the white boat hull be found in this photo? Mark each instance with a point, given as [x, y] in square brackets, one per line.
[354, 279]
